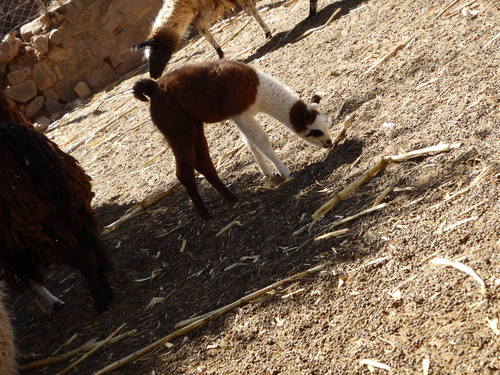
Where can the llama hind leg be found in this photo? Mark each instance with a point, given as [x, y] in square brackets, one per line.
[313, 4]
[252, 10]
[208, 36]
[205, 166]
[256, 135]
[185, 160]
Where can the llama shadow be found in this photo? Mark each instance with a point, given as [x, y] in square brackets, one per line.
[289, 37]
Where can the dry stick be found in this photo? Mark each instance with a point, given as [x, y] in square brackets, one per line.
[137, 208]
[60, 358]
[208, 317]
[355, 216]
[289, 3]
[381, 164]
[310, 31]
[393, 53]
[446, 9]
[92, 351]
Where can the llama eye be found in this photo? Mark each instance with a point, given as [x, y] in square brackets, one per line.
[315, 133]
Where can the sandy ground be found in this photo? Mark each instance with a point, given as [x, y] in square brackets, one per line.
[393, 307]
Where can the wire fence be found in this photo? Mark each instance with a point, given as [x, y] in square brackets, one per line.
[14, 13]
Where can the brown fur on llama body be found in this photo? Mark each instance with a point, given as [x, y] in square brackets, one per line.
[8, 365]
[45, 211]
[186, 98]
[173, 20]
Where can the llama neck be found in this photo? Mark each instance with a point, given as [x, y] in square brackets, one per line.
[279, 101]
[174, 17]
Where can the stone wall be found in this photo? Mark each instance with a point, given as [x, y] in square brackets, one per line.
[70, 51]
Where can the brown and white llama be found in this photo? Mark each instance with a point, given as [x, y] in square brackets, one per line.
[173, 20]
[8, 365]
[186, 98]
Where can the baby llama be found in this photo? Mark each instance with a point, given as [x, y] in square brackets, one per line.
[186, 98]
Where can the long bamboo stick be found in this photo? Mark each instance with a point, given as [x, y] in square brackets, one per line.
[203, 320]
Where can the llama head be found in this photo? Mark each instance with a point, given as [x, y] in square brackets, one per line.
[316, 125]
[156, 54]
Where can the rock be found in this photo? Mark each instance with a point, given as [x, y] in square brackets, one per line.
[55, 116]
[58, 54]
[51, 94]
[65, 89]
[32, 28]
[82, 90]
[53, 106]
[22, 92]
[34, 106]
[41, 124]
[44, 76]
[9, 47]
[56, 36]
[17, 76]
[40, 44]
[100, 77]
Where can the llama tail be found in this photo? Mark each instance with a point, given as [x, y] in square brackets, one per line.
[145, 88]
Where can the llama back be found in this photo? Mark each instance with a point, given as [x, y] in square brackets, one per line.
[212, 94]
[8, 364]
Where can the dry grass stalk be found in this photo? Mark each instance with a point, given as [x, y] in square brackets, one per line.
[92, 351]
[289, 3]
[453, 226]
[136, 209]
[336, 233]
[473, 184]
[229, 155]
[392, 53]
[370, 263]
[310, 31]
[381, 164]
[453, 3]
[426, 364]
[371, 364]
[229, 226]
[183, 246]
[493, 324]
[462, 267]
[355, 216]
[168, 231]
[66, 343]
[201, 321]
[347, 124]
[61, 358]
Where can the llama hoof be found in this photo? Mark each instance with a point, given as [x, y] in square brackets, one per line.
[268, 35]
[311, 14]
[55, 307]
[277, 179]
[220, 53]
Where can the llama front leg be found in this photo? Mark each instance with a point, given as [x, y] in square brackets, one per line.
[258, 156]
[256, 135]
[208, 36]
[252, 10]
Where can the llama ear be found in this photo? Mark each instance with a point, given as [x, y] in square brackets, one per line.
[146, 43]
[316, 98]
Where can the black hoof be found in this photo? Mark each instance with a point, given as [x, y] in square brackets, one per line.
[219, 52]
[268, 35]
[56, 306]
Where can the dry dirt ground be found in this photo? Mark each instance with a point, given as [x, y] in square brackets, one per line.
[395, 307]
